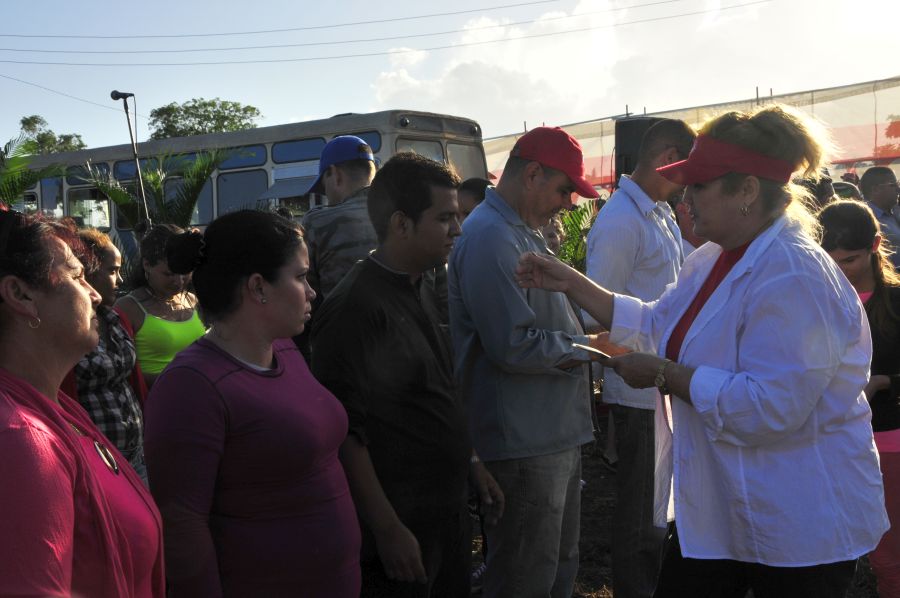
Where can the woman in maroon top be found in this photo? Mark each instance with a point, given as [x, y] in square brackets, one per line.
[75, 519]
[241, 441]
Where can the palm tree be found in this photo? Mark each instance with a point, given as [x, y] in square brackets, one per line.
[15, 176]
[164, 205]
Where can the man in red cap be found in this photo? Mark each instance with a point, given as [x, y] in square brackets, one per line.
[527, 390]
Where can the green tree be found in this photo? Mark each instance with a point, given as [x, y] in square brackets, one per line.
[198, 116]
[167, 203]
[15, 176]
[35, 127]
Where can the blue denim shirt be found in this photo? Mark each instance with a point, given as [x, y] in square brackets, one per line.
[508, 342]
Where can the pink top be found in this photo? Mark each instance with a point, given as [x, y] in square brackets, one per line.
[137, 523]
[68, 525]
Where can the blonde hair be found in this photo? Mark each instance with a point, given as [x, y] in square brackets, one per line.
[781, 132]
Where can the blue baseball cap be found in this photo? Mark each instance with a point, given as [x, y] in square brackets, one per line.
[341, 149]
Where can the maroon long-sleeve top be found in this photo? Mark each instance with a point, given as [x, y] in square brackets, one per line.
[244, 467]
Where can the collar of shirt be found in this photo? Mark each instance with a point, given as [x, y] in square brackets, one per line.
[494, 200]
[396, 277]
[878, 211]
[358, 195]
[634, 192]
[107, 314]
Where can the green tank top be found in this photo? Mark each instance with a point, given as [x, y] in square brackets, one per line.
[159, 340]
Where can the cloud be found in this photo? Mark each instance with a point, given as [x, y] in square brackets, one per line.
[406, 57]
[538, 73]
[652, 57]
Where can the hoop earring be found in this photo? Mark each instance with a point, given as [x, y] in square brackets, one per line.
[34, 326]
[745, 210]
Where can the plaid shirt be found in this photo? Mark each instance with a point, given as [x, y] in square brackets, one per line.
[104, 389]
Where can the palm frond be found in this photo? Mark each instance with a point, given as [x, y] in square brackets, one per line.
[573, 249]
[15, 176]
[193, 178]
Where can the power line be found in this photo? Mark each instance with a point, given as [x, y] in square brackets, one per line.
[340, 42]
[388, 52]
[287, 30]
[61, 93]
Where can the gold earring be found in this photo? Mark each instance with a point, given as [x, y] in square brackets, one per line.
[34, 326]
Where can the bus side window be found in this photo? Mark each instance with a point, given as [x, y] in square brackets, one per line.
[239, 190]
[52, 196]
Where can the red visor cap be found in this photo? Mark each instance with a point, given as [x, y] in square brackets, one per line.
[553, 147]
[712, 158]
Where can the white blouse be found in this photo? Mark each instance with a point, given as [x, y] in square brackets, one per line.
[774, 462]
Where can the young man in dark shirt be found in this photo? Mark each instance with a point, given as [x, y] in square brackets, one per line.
[379, 347]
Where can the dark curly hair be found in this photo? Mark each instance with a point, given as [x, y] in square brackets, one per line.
[233, 247]
[153, 249]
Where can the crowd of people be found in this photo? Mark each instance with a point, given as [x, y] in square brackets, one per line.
[277, 409]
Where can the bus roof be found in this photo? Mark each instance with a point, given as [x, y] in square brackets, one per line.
[412, 121]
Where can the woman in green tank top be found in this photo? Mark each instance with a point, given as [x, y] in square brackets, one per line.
[160, 307]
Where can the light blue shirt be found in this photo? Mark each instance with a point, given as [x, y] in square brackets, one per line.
[508, 342]
[890, 228]
[634, 248]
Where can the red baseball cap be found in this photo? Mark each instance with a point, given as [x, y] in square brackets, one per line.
[711, 158]
[553, 147]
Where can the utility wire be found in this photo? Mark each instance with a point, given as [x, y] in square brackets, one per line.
[62, 93]
[291, 29]
[389, 52]
[345, 41]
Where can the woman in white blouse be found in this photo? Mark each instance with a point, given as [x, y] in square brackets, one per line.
[766, 467]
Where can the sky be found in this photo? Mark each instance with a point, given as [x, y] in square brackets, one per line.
[507, 64]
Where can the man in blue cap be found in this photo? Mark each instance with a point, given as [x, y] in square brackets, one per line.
[340, 234]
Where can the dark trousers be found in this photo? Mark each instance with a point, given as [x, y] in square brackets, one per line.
[637, 545]
[719, 578]
[446, 545]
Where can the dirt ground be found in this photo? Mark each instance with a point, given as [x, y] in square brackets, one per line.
[598, 502]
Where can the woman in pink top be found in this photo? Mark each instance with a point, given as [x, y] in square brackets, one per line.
[852, 237]
[241, 441]
[75, 519]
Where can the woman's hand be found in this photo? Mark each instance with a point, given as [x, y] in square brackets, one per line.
[638, 370]
[536, 271]
[876, 383]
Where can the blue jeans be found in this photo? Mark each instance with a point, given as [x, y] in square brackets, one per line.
[637, 545]
[136, 458]
[534, 547]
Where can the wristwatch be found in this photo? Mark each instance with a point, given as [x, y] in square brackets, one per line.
[660, 380]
